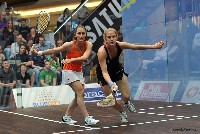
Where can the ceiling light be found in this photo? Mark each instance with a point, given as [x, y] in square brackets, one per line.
[29, 13]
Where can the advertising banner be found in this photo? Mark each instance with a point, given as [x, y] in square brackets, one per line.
[192, 92]
[93, 93]
[55, 95]
[43, 96]
[157, 90]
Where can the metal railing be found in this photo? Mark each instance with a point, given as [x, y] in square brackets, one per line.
[70, 16]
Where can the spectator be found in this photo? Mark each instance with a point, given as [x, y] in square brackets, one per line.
[168, 54]
[7, 49]
[66, 33]
[87, 66]
[16, 21]
[24, 30]
[15, 46]
[2, 56]
[23, 78]
[8, 32]
[3, 6]
[8, 14]
[10, 35]
[7, 83]
[55, 65]
[48, 76]
[29, 44]
[3, 24]
[33, 34]
[25, 60]
[37, 64]
[3, 21]
[62, 18]
[61, 55]
[82, 14]
[44, 45]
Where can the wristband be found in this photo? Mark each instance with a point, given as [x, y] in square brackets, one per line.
[111, 83]
[40, 53]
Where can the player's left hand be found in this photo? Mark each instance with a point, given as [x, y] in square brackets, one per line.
[159, 45]
[66, 61]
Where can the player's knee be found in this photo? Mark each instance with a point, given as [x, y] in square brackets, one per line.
[80, 93]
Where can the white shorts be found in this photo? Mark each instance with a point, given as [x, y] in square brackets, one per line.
[69, 76]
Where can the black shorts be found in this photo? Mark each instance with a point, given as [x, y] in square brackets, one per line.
[117, 76]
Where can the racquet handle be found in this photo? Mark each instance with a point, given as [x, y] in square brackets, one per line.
[116, 87]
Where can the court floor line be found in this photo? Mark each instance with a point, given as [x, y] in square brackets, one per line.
[87, 128]
[133, 124]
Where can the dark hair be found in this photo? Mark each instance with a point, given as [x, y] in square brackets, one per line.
[7, 8]
[66, 10]
[4, 60]
[22, 45]
[41, 36]
[22, 65]
[31, 38]
[23, 19]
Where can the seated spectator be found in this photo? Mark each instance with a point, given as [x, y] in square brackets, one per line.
[23, 78]
[15, 46]
[2, 56]
[25, 60]
[16, 20]
[61, 55]
[8, 37]
[44, 45]
[7, 50]
[8, 11]
[55, 65]
[161, 56]
[24, 30]
[3, 22]
[37, 64]
[48, 76]
[7, 83]
[8, 32]
[29, 44]
[168, 54]
[33, 34]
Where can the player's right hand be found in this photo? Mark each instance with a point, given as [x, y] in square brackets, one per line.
[114, 87]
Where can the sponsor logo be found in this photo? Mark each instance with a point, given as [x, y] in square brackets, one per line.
[155, 91]
[91, 94]
[193, 91]
[45, 98]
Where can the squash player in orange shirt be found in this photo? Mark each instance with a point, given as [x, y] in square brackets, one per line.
[78, 51]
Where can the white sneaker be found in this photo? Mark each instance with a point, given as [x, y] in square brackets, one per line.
[109, 101]
[130, 107]
[124, 117]
[89, 121]
[68, 120]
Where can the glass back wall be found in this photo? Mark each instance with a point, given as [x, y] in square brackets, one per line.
[173, 72]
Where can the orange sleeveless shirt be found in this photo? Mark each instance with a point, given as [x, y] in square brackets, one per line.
[74, 66]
